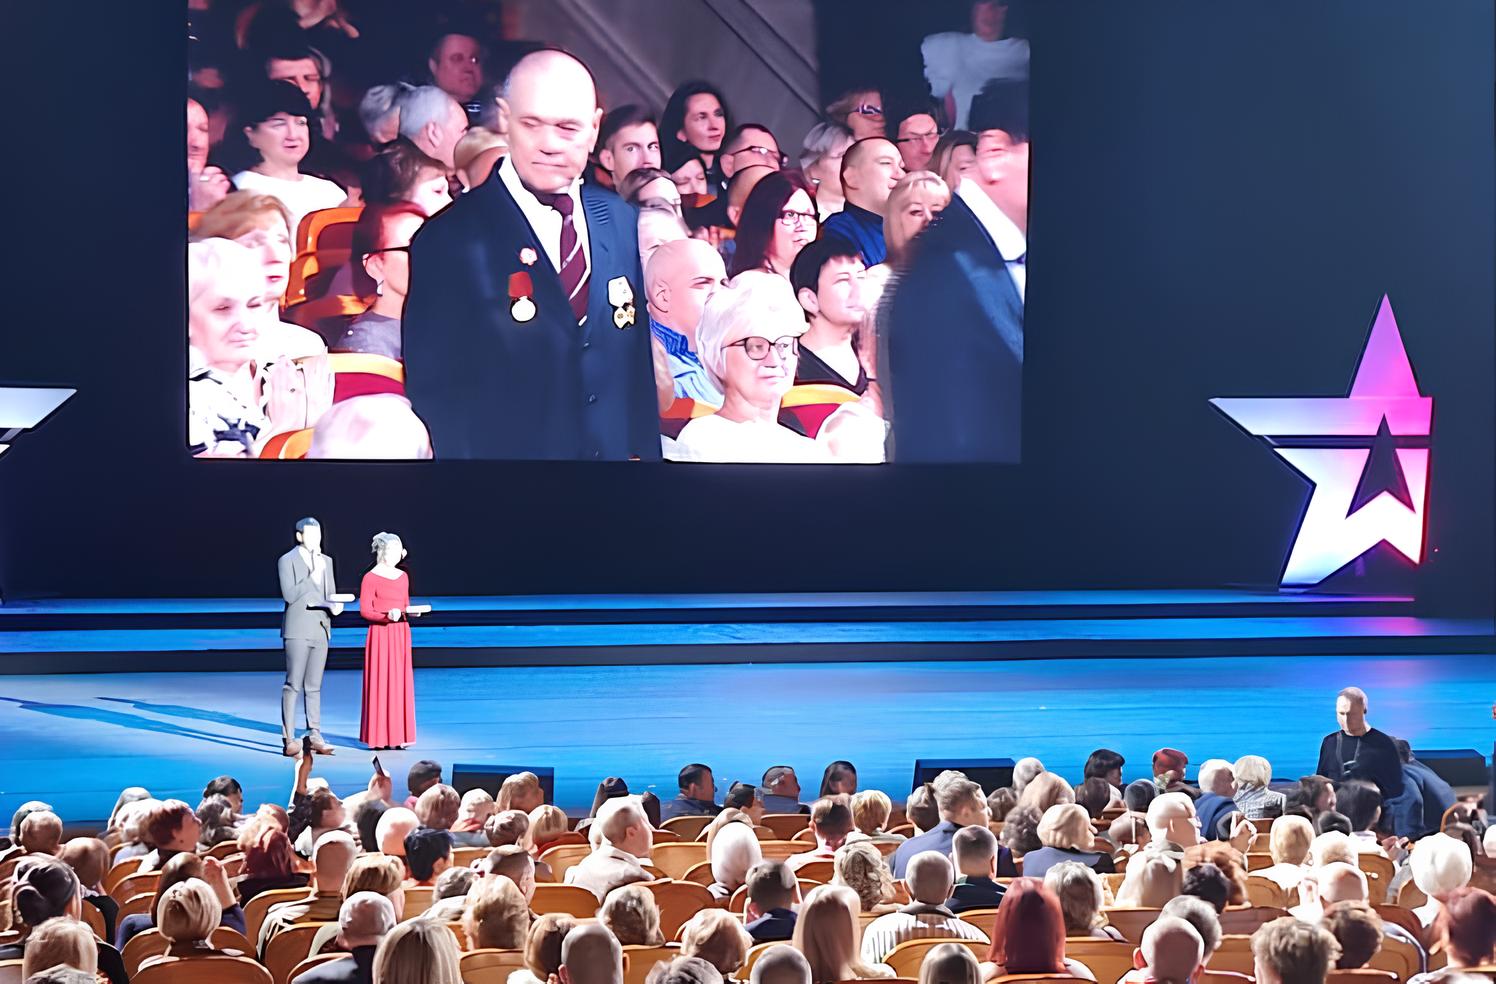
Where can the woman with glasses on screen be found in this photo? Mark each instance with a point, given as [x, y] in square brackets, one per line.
[381, 248]
[778, 219]
[861, 111]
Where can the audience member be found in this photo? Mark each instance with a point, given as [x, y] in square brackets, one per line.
[627, 139]
[1151, 881]
[770, 913]
[379, 112]
[1171, 952]
[1066, 833]
[828, 934]
[402, 172]
[309, 70]
[1435, 794]
[513, 862]
[331, 858]
[632, 915]
[921, 810]
[697, 795]
[955, 156]
[744, 180]
[225, 287]
[974, 852]
[364, 919]
[1333, 822]
[591, 955]
[1106, 765]
[433, 121]
[324, 813]
[1286, 951]
[89, 859]
[1356, 750]
[477, 153]
[625, 838]
[508, 827]
[781, 790]
[961, 803]
[1081, 894]
[547, 824]
[61, 943]
[781, 965]
[276, 132]
[186, 916]
[1019, 837]
[679, 279]
[733, 853]
[871, 809]
[869, 171]
[950, 963]
[371, 426]
[916, 132]
[958, 65]
[44, 888]
[1466, 932]
[716, 936]
[1440, 864]
[1028, 935]
[428, 853]
[497, 915]
[1169, 765]
[839, 779]
[744, 798]
[1361, 804]
[269, 862]
[1288, 845]
[394, 826]
[521, 791]
[449, 894]
[830, 823]
[456, 65]
[179, 869]
[1208, 883]
[41, 833]
[206, 183]
[219, 822]
[931, 880]
[860, 867]
[693, 125]
[1358, 929]
[543, 948]
[650, 188]
[419, 951]
[1094, 795]
[860, 111]
[1315, 794]
[684, 970]
[473, 811]
[1217, 796]
[438, 806]
[749, 144]
[778, 219]
[1044, 791]
[1253, 797]
[828, 277]
[1202, 916]
[820, 160]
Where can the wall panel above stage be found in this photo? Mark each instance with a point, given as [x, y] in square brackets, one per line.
[1222, 196]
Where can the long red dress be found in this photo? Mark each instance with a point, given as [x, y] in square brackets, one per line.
[389, 716]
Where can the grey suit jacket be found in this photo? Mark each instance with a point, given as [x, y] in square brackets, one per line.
[307, 613]
[604, 870]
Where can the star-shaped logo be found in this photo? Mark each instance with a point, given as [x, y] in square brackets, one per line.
[1365, 453]
[24, 407]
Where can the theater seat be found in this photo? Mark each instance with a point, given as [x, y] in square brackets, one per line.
[290, 445]
[197, 970]
[811, 403]
[905, 959]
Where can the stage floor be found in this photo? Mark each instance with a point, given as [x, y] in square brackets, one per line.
[75, 740]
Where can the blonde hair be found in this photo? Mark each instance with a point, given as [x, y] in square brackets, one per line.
[188, 912]
[241, 212]
[381, 874]
[859, 866]
[1289, 839]
[829, 935]
[1079, 890]
[718, 937]
[60, 942]
[1329, 847]
[512, 785]
[1067, 825]
[631, 914]
[871, 810]
[543, 943]
[497, 915]
[950, 963]
[1151, 882]
[1045, 790]
[1252, 771]
[909, 185]
[547, 822]
[420, 951]
[734, 851]
[476, 806]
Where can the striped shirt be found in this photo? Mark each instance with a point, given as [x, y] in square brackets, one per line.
[914, 922]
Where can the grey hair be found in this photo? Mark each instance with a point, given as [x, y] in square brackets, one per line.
[208, 260]
[420, 105]
[1252, 771]
[1080, 893]
[1356, 694]
[382, 540]
[820, 141]
[379, 103]
[752, 298]
[1199, 914]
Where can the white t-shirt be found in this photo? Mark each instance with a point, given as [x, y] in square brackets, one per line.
[960, 64]
[306, 194]
[715, 438]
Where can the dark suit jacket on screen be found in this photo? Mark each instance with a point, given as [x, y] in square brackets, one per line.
[956, 347]
[489, 386]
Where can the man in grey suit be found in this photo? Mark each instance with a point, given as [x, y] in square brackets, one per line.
[306, 581]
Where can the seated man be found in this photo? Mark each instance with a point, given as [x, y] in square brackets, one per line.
[1358, 929]
[41, 833]
[437, 807]
[1339, 881]
[422, 776]
[363, 920]
[1171, 952]
[974, 852]
[781, 791]
[1436, 795]
[830, 822]
[781, 965]
[428, 853]
[961, 803]
[930, 881]
[678, 280]
[624, 838]
[771, 897]
[1217, 797]
[697, 797]
[394, 826]
[1286, 951]
[331, 857]
[591, 955]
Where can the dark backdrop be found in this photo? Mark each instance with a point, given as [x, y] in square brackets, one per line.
[1221, 195]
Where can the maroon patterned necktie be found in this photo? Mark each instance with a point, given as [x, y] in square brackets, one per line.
[573, 262]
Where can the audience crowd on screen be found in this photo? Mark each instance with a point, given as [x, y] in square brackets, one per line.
[297, 110]
[381, 879]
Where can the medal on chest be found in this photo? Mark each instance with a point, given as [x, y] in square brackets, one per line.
[521, 297]
[621, 297]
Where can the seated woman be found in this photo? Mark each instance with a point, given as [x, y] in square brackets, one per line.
[1066, 833]
[1440, 864]
[44, 888]
[219, 822]
[172, 828]
[262, 224]
[718, 937]
[912, 205]
[269, 861]
[179, 869]
[547, 825]
[631, 914]
[277, 136]
[733, 851]
[543, 949]
[1081, 895]
[860, 867]
[777, 221]
[871, 809]
[472, 813]
[188, 912]
[225, 288]
[418, 952]
[113, 833]
[326, 813]
[1466, 930]
[1253, 798]
[1028, 935]
[829, 936]
[1288, 845]
[381, 269]
[404, 174]
[1020, 835]
[89, 859]
[58, 944]
[748, 345]
[497, 916]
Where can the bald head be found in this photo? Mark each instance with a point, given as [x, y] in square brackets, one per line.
[1171, 950]
[550, 115]
[742, 183]
[591, 955]
[1340, 882]
[681, 276]
[930, 877]
[331, 856]
[1171, 817]
[781, 965]
[869, 171]
[623, 823]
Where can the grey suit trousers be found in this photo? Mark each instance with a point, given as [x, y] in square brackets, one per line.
[306, 660]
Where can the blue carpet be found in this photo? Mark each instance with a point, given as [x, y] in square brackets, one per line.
[75, 740]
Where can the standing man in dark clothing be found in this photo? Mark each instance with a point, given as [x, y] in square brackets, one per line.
[1437, 794]
[1359, 751]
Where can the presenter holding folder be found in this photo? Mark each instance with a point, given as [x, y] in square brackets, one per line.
[389, 706]
[308, 588]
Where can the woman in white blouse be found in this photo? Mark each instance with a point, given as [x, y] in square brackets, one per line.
[276, 128]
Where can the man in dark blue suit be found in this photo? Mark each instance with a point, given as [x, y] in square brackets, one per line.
[956, 328]
[1436, 795]
[523, 331]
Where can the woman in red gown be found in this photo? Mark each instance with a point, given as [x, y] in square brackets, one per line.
[389, 716]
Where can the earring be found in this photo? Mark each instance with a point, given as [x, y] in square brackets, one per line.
[379, 288]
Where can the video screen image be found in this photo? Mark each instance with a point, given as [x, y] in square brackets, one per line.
[416, 238]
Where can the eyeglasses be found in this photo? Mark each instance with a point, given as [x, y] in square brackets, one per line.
[767, 153]
[789, 218]
[389, 249]
[931, 135]
[869, 109]
[757, 348]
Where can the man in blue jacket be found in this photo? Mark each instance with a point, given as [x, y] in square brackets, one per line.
[1437, 796]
